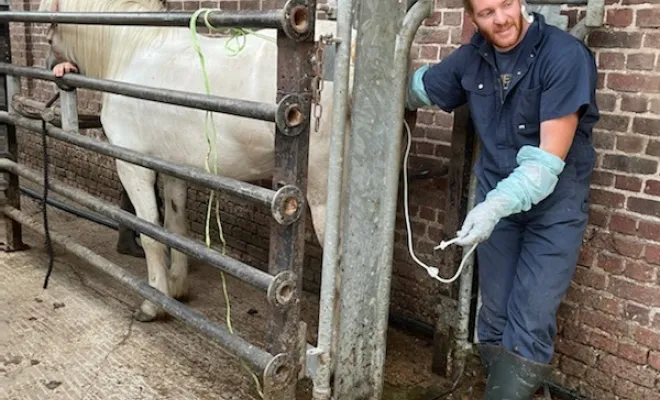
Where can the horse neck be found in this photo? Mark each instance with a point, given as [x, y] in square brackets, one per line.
[104, 51]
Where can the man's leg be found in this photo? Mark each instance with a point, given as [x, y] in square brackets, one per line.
[550, 249]
[498, 257]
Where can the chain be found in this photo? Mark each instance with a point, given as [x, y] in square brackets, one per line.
[317, 81]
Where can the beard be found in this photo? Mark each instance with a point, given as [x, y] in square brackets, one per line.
[507, 36]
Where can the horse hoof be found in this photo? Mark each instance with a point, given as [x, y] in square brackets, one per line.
[179, 292]
[141, 316]
[130, 249]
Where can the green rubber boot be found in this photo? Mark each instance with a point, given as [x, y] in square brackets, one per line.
[512, 377]
[488, 353]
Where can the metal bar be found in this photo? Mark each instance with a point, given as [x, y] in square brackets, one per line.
[94, 217]
[244, 18]
[287, 242]
[244, 272]
[240, 189]
[32, 109]
[460, 163]
[256, 357]
[243, 108]
[370, 207]
[328, 317]
[595, 13]
[13, 236]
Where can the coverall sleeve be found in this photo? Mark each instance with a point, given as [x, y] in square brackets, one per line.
[442, 81]
[569, 83]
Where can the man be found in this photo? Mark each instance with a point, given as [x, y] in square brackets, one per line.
[530, 88]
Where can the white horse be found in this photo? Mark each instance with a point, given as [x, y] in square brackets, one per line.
[164, 57]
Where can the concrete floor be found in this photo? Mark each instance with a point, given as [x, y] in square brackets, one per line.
[77, 339]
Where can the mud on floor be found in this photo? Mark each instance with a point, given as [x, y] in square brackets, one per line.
[77, 339]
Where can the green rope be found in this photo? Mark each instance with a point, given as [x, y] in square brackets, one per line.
[236, 35]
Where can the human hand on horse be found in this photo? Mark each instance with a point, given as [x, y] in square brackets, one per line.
[64, 68]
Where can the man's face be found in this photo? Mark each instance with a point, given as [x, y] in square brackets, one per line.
[499, 21]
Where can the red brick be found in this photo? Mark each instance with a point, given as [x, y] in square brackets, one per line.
[627, 370]
[600, 81]
[572, 367]
[653, 188]
[652, 254]
[629, 390]
[611, 263]
[613, 122]
[652, 40]
[606, 101]
[640, 271]
[604, 140]
[611, 60]
[653, 148]
[631, 144]
[452, 18]
[602, 178]
[434, 20]
[587, 257]
[607, 198]
[429, 52]
[432, 36]
[649, 230]
[633, 352]
[641, 61]
[624, 289]
[610, 39]
[633, 82]
[577, 351]
[602, 341]
[602, 321]
[648, 337]
[654, 105]
[619, 18]
[636, 313]
[599, 379]
[633, 103]
[623, 224]
[612, 306]
[654, 360]
[644, 206]
[590, 278]
[591, 392]
[629, 183]
[648, 18]
[646, 126]
[598, 217]
[631, 164]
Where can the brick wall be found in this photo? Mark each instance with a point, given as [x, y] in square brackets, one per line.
[609, 325]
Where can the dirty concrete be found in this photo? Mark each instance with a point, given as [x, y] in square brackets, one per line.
[77, 339]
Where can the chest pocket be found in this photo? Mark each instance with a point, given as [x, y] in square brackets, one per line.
[526, 112]
[482, 99]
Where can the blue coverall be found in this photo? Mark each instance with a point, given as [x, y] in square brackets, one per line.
[526, 265]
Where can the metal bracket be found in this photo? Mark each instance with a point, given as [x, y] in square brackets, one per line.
[298, 20]
[282, 290]
[288, 205]
[292, 114]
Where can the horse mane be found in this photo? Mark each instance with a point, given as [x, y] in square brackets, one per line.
[102, 50]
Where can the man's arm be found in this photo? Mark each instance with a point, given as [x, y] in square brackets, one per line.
[438, 85]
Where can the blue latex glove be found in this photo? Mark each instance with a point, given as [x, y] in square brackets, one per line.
[416, 95]
[533, 180]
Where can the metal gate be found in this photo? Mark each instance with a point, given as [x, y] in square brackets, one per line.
[280, 363]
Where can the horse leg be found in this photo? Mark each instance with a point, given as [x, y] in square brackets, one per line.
[175, 191]
[139, 183]
[126, 241]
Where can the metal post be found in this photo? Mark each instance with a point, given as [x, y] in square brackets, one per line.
[13, 240]
[460, 165]
[69, 109]
[370, 205]
[294, 74]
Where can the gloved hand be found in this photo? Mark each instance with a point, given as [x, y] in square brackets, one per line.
[533, 180]
[416, 95]
[481, 221]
